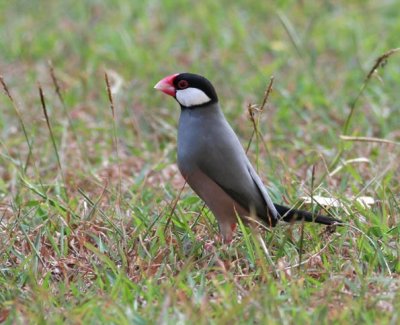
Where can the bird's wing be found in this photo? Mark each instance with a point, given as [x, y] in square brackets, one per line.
[263, 190]
[226, 163]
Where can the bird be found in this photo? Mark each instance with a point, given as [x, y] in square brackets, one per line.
[213, 162]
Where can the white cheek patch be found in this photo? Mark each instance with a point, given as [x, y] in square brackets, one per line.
[191, 97]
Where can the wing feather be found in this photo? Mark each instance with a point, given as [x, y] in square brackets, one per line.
[226, 163]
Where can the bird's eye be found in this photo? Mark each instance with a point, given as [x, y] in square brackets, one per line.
[182, 84]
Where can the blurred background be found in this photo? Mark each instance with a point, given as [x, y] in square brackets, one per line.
[319, 54]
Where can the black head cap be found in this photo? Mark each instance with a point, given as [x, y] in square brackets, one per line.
[191, 80]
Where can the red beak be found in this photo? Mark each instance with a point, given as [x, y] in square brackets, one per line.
[166, 85]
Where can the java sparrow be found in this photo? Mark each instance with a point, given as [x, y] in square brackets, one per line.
[214, 163]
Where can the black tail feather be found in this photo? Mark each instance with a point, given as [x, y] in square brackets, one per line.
[289, 215]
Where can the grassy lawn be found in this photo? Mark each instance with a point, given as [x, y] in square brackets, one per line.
[94, 224]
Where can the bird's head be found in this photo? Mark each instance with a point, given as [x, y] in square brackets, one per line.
[190, 90]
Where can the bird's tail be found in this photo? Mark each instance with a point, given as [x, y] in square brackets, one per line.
[289, 215]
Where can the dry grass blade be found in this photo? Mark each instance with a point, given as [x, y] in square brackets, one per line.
[381, 61]
[347, 162]
[267, 93]
[110, 98]
[21, 122]
[3, 83]
[52, 137]
[378, 63]
[57, 87]
[56, 84]
[251, 109]
[368, 139]
[115, 137]
[46, 115]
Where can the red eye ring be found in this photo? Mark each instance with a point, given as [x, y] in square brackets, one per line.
[183, 84]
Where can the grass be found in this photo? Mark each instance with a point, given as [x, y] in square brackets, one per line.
[94, 224]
